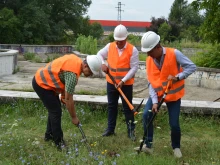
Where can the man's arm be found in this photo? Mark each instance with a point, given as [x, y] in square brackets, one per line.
[71, 107]
[188, 66]
[70, 80]
[103, 53]
[134, 62]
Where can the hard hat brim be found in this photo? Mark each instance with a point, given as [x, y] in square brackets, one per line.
[146, 49]
[119, 39]
[94, 72]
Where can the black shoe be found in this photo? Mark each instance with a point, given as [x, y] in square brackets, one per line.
[48, 137]
[108, 133]
[131, 135]
[62, 146]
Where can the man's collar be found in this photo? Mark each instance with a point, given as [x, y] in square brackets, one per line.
[164, 50]
[123, 47]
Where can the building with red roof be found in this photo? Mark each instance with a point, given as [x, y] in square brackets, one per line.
[134, 27]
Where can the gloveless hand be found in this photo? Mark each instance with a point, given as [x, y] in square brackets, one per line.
[170, 77]
[104, 68]
[120, 84]
[154, 108]
[75, 121]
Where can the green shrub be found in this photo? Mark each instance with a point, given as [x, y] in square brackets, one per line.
[17, 69]
[142, 56]
[29, 56]
[135, 40]
[52, 57]
[37, 59]
[86, 45]
[209, 58]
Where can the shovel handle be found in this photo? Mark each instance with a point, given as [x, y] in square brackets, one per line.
[123, 95]
[127, 101]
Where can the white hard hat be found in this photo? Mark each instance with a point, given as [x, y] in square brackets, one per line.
[120, 33]
[149, 41]
[94, 63]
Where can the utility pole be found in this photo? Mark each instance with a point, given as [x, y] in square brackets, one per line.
[119, 11]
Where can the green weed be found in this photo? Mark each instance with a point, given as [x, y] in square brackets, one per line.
[23, 124]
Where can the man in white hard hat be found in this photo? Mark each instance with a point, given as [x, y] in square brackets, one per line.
[164, 64]
[123, 60]
[60, 77]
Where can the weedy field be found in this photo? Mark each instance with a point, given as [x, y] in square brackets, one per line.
[23, 123]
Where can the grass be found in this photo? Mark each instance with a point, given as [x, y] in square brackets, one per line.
[142, 56]
[23, 124]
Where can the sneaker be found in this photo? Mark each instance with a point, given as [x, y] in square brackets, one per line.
[144, 149]
[131, 135]
[177, 153]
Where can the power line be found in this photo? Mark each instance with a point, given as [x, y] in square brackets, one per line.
[119, 11]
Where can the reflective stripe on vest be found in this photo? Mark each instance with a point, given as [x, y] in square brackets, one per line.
[158, 78]
[56, 84]
[48, 76]
[119, 66]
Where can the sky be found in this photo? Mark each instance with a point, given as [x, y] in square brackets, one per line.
[133, 10]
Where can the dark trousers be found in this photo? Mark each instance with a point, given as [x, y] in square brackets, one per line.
[52, 103]
[113, 96]
[174, 112]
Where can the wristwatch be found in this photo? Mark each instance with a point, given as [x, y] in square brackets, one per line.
[177, 78]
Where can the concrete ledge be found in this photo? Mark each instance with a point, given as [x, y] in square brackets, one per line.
[8, 61]
[189, 107]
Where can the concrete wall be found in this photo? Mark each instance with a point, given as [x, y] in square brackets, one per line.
[8, 61]
[39, 49]
[203, 77]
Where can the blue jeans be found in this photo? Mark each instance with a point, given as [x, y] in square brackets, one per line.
[113, 96]
[174, 112]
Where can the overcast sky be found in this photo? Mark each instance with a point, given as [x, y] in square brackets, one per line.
[134, 10]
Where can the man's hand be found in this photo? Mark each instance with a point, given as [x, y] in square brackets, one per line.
[170, 77]
[71, 108]
[154, 108]
[75, 120]
[62, 99]
[120, 84]
[104, 68]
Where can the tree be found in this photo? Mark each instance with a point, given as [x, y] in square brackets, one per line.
[209, 30]
[36, 24]
[177, 11]
[85, 28]
[164, 32]
[155, 24]
[9, 23]
[183, 18]
[96, 30]
[47, 21]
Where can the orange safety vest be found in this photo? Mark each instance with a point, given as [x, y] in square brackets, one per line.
[48, 76]
[158, 78]
[119, 66]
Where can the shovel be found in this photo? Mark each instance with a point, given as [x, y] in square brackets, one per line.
[84, 137]
[134, 110]
[169, 84]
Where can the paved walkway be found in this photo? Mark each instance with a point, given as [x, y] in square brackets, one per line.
[195, 97]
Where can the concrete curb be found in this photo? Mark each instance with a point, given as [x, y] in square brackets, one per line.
[189, 107]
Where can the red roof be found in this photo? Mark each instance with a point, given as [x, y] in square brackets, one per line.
[125, 23]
